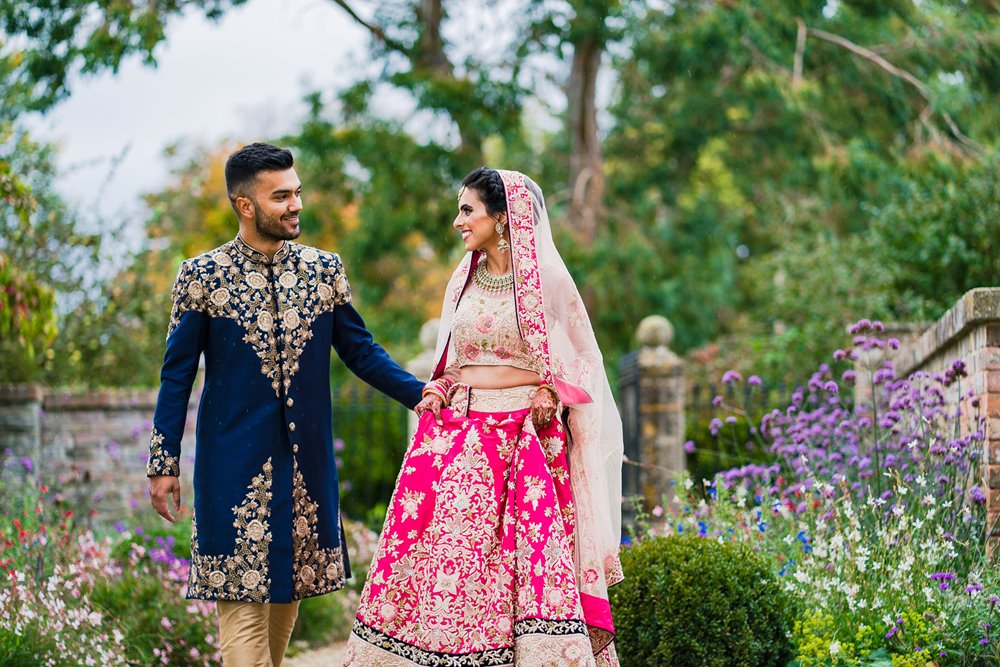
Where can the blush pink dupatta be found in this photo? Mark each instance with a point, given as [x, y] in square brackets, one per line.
[554, 324]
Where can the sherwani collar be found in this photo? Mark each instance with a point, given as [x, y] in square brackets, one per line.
[255, 255]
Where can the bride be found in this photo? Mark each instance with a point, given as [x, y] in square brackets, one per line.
[502, 535]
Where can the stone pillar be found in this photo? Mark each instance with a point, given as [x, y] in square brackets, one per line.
[660, 409]
[422, 365]
[20, 425]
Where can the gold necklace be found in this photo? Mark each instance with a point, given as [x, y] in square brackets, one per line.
[488, 282]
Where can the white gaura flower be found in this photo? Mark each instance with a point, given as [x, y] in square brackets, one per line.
[834, 648]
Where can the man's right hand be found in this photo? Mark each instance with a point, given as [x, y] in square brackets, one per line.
[161, 488]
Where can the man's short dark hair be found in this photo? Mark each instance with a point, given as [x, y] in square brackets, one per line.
[243, 166]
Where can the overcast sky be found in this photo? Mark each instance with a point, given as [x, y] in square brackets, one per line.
[240, 78]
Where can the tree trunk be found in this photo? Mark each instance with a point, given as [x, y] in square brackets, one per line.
[432, 55]
[586, 167]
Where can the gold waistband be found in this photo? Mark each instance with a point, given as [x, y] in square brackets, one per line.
[465, 398]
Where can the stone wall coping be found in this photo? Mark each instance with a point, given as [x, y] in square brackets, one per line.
[976, 307]
[13, 394]
[102, 399]
[70, 399]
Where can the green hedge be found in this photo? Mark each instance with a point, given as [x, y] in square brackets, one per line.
[695, 602]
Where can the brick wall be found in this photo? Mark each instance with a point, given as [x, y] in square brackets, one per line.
[969, 331]
[93, 445]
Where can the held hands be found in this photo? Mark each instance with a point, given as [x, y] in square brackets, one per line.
[433, 403]
[161, 488]
[543, 407]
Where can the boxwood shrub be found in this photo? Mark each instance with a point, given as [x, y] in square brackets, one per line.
[696, 602]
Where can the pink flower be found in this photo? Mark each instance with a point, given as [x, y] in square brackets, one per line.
[484, 323]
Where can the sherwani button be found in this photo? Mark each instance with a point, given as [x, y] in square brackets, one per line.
[295, 449]
[289, 402]
[291, 426]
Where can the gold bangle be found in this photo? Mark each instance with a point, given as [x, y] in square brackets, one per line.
[551, 389]
[433, 389]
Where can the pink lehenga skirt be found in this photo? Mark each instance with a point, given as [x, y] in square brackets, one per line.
[475, 564]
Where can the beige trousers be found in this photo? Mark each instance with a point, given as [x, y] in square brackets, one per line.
[255, 634]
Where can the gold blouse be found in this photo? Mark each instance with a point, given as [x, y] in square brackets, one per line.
[485, 333]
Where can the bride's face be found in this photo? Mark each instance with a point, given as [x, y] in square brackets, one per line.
[474, 223]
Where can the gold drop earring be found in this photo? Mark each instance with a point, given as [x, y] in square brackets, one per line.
[502, 244]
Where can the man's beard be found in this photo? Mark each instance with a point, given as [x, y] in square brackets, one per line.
[270, 227]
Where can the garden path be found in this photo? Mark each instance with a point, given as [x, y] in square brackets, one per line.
[328, 656]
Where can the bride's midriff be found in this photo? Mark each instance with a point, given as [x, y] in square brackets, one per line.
[498, 377]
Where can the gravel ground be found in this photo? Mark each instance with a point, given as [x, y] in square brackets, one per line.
[328, 656]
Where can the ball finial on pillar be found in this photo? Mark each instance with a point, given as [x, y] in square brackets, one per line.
[655, 331]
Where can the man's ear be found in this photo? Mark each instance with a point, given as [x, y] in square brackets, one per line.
[244, 205]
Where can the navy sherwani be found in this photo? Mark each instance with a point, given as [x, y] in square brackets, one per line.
[267, 519]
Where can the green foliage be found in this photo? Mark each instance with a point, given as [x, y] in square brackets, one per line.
[27, 316]
[74, 598]
[370, 432]
[939, 238]
[61, 38]
[153, 618]
[753, 191]
[693, 601]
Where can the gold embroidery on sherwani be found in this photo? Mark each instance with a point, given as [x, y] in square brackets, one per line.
[315, 571]
[160, 461]
[276, 303]
[243, 575]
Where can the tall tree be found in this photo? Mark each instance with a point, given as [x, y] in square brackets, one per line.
[745, 129]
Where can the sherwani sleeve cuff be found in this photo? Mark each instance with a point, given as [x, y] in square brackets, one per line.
[161, 461]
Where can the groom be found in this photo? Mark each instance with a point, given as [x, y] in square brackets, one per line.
[264, 312]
